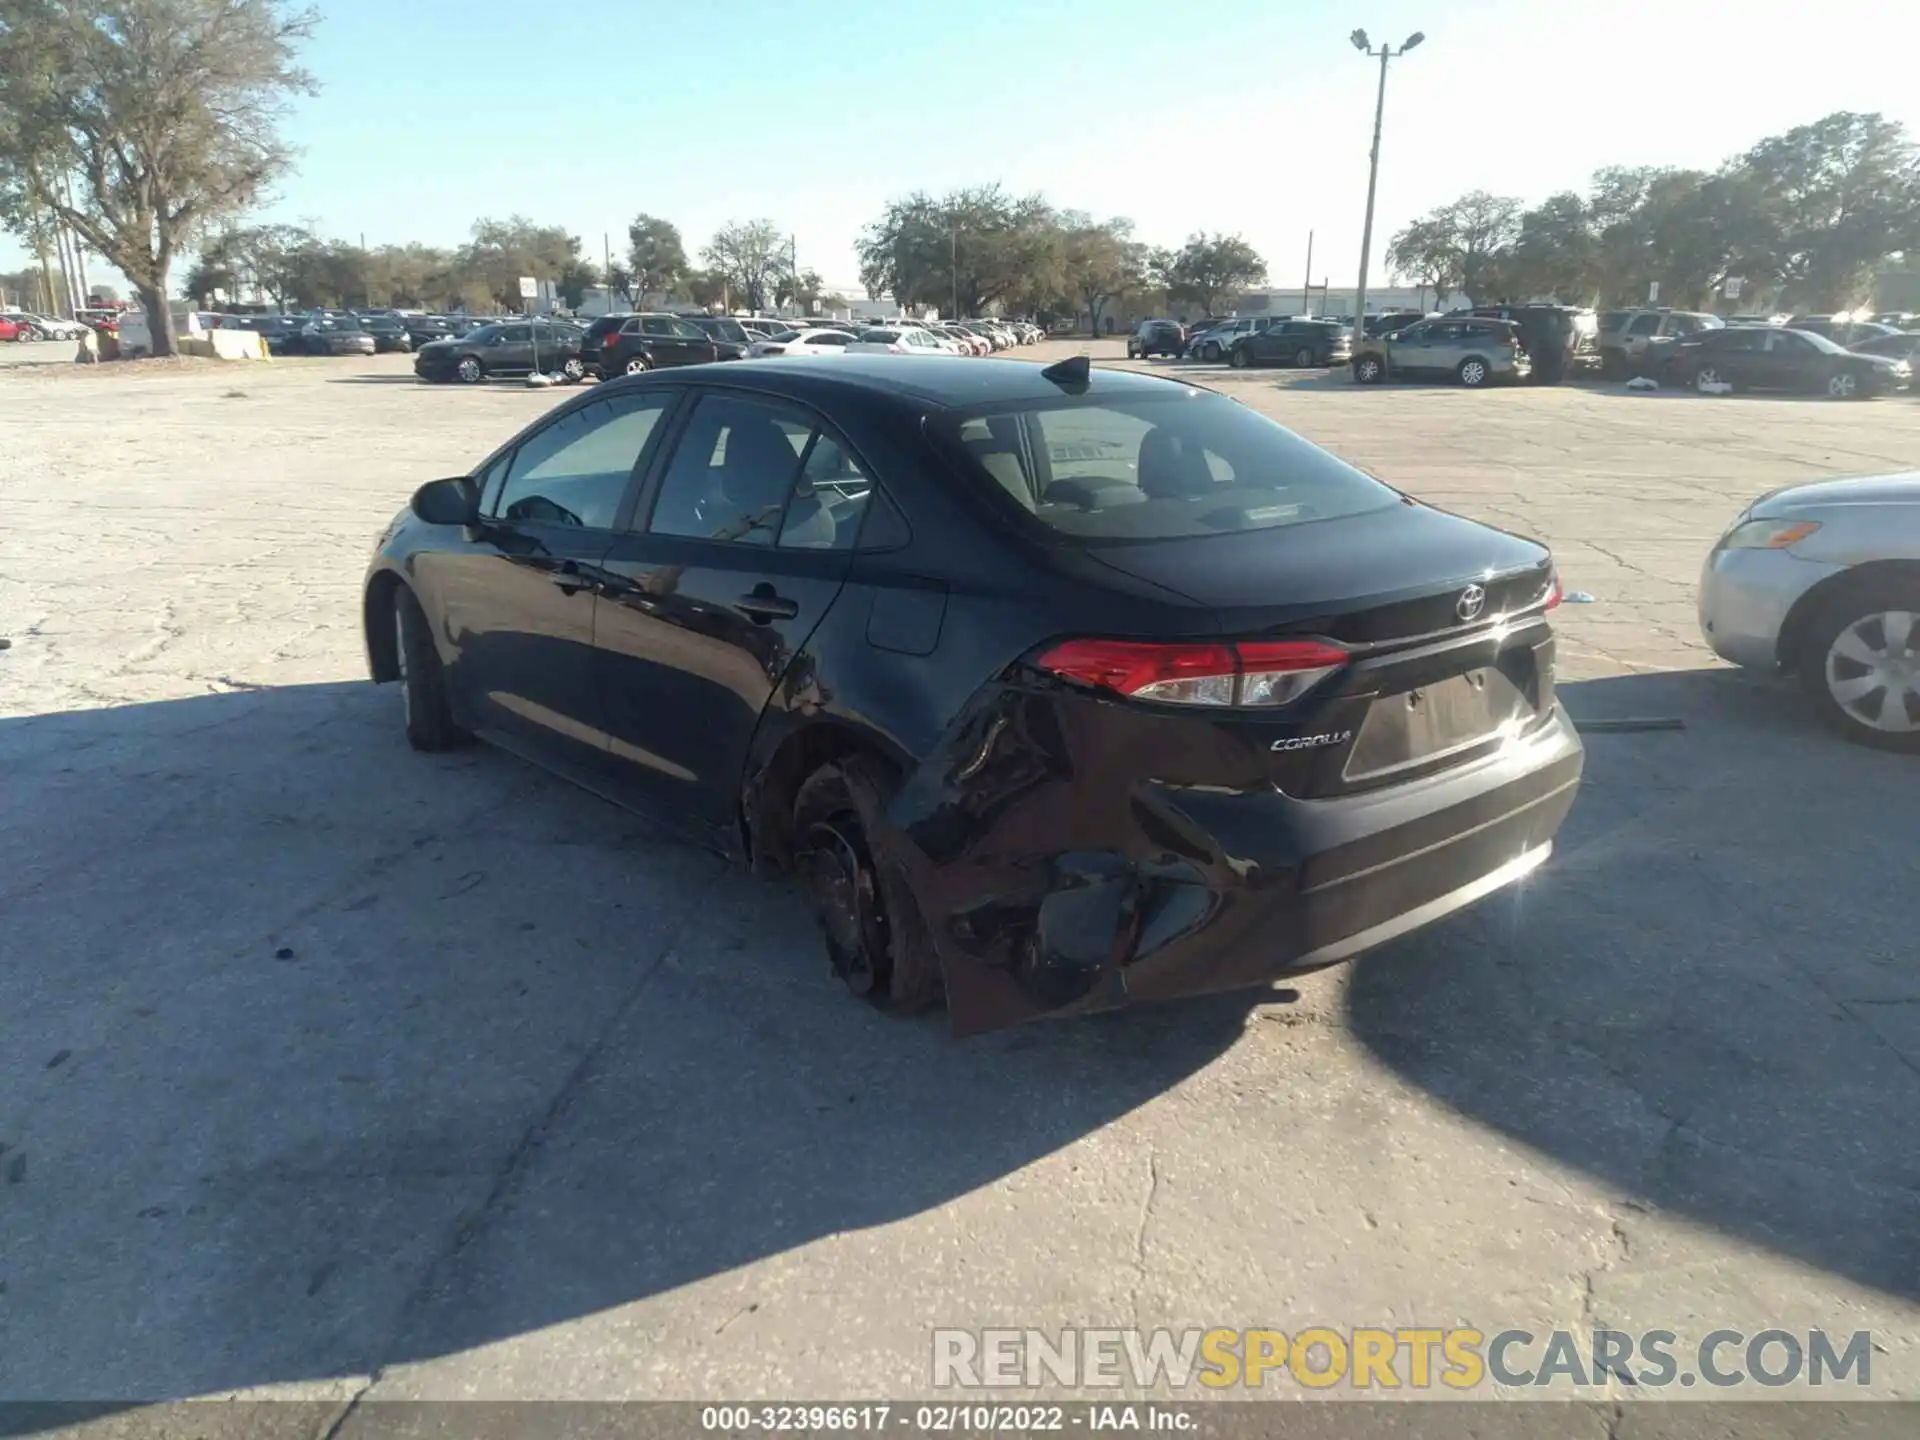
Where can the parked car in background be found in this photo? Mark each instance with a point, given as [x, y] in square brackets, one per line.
[1157, 337]
[1252, 713]
[895, 340]
[1392, 320]
[49, 327]
[1474, 351]
[16, 329]
[1822, 581]
[511, 348]
[1559, 339]
[1843, 330]
[1624, 335]
[277, 330]
[327, 334]
[1300, 343]
[1210, 340]
[1898, 319]
[725, 327]
[425, 329]
[1773, 357]
[105, 321]
[390, 333]
[810, 341]
[968, 342]
[1903, 345]
[628, 344]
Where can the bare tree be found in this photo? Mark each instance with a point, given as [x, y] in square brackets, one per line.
[751, 257]
[140, 123]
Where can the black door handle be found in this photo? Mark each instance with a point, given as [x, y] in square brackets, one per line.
[764, 605]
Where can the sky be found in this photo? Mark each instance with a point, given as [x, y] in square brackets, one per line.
[1248, 116]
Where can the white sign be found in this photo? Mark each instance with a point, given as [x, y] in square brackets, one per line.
[529, 287]
[1732, 287]
[1653, 292]
[816, 307]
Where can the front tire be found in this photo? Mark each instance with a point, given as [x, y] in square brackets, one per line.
[423, 679]
[1239, 358]
[470, 371]
[1369, 370]
[1473, 372]
[1860, 666]
[875, 938]
[1210, 351]
[1844, 385]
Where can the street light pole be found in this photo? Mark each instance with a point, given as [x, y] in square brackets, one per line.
[1386, 53]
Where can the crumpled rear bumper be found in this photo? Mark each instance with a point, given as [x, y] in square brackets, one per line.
[1058, 876]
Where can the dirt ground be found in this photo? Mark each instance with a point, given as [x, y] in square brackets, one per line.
[332, 1070]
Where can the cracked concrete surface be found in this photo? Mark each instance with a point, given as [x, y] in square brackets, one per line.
[332, 1070]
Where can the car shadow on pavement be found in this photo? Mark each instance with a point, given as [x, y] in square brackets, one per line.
[1710, 997]
[317, 1055]
[407, 379]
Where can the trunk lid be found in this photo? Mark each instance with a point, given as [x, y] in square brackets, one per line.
[1381, 576]
[1443, 617]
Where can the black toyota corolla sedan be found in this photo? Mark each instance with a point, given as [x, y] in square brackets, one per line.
[1058, 688]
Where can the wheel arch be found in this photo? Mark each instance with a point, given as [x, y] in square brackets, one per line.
[780, 765]
[1808, 608]
[376, 622]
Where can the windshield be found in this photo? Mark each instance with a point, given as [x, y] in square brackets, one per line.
[482, 332]
[785, 335]
[1152, 467]
[1821, 343]
[879, 337]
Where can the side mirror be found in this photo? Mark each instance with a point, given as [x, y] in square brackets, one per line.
[447, 502]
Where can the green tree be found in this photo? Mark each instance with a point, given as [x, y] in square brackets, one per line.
[1423, 252]
[1101, 262]
[750, 257]
[140, 123]
[1463, 245]
[502, 251]
[656, 258]
[1210, 267]
[1556, 252]
[964, 251]
[1840, 195]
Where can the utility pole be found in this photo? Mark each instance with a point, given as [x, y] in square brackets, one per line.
[1306, 285]
[953, 235]
[606, 247]
[1386, 53]
[793, 269]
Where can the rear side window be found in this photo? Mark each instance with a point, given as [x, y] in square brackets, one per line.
[1644, 325]
[1151, 468]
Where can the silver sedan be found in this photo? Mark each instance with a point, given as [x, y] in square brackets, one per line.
[1823, 580]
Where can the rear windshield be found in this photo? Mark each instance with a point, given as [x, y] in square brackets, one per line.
[1151, 467]
[879, 337]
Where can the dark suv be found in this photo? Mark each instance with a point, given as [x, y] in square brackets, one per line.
[628, 344]
[1157, 337]
[1293, 342]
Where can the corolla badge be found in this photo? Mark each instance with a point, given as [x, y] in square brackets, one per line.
[1312, 742]
[1472, 601]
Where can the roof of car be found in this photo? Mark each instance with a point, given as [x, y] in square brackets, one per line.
[946, 380]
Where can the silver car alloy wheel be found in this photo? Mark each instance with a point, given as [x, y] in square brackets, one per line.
[1706, 378]
[636, 365]
[469, 370]
[1843, 386]
[1474, 372]
[1876, 683]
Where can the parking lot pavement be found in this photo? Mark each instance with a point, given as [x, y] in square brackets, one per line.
[336, 1070]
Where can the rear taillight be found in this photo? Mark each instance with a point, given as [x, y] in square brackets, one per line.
[1554, 593]
[610, 339]
[896, 349]
[1260, 673]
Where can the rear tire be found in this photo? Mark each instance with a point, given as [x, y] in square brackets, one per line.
[875, 937]
[423, 680]
[572, 370]
[637, 365]
[1302, 358]
[1705, 376]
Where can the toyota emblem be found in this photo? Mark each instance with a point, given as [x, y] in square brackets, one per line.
[1472, 601]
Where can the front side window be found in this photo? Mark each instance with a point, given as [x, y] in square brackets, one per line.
[1644, 325]
[686, 330]
[1151, 468]
[575, 471]
[515, 334]
[656, 325]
